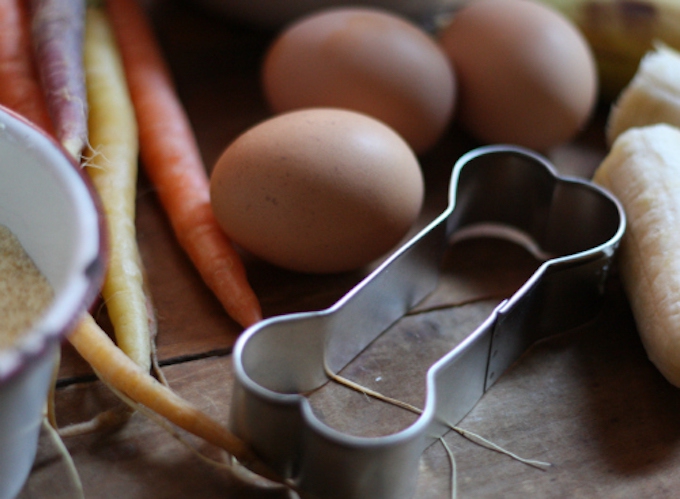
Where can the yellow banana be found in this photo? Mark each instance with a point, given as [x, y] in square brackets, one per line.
[620, 32]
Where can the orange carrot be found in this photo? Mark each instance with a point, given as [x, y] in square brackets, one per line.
[20, 88]
[172, 161]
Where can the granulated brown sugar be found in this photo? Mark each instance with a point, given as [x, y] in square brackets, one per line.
[24, 292]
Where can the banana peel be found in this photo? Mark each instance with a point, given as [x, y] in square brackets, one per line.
[621, 32]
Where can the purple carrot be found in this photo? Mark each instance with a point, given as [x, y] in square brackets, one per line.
[57, 28]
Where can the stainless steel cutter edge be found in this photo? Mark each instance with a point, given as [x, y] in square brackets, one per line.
[279, 359]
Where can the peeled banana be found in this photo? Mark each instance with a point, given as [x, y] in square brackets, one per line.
[653, 95]
[643, 171]
[620, 32]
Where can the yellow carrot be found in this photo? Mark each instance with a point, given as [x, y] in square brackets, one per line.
[112, 166]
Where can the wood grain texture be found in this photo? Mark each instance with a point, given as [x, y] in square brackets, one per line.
[587, 401]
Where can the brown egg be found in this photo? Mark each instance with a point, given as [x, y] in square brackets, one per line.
[318, 190]
[526, 75]
[367, 60]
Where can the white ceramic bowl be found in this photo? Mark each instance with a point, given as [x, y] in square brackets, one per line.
[48, 204]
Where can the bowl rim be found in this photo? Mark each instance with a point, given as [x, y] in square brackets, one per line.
[38, 342]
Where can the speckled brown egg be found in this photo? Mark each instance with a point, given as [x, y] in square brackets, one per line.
[526, 74]
[317, 190]
[368, 60]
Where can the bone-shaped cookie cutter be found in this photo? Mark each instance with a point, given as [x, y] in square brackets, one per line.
[279, 359]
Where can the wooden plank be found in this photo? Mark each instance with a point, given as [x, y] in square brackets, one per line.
[590, 403]
[587, 401]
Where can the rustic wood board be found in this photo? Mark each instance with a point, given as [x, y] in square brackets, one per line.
[587, 401]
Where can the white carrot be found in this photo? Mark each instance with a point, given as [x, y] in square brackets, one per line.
[122, 374]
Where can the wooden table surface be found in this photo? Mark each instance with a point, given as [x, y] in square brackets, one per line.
[587, 401]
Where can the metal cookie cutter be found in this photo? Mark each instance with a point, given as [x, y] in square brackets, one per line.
[279, 359]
